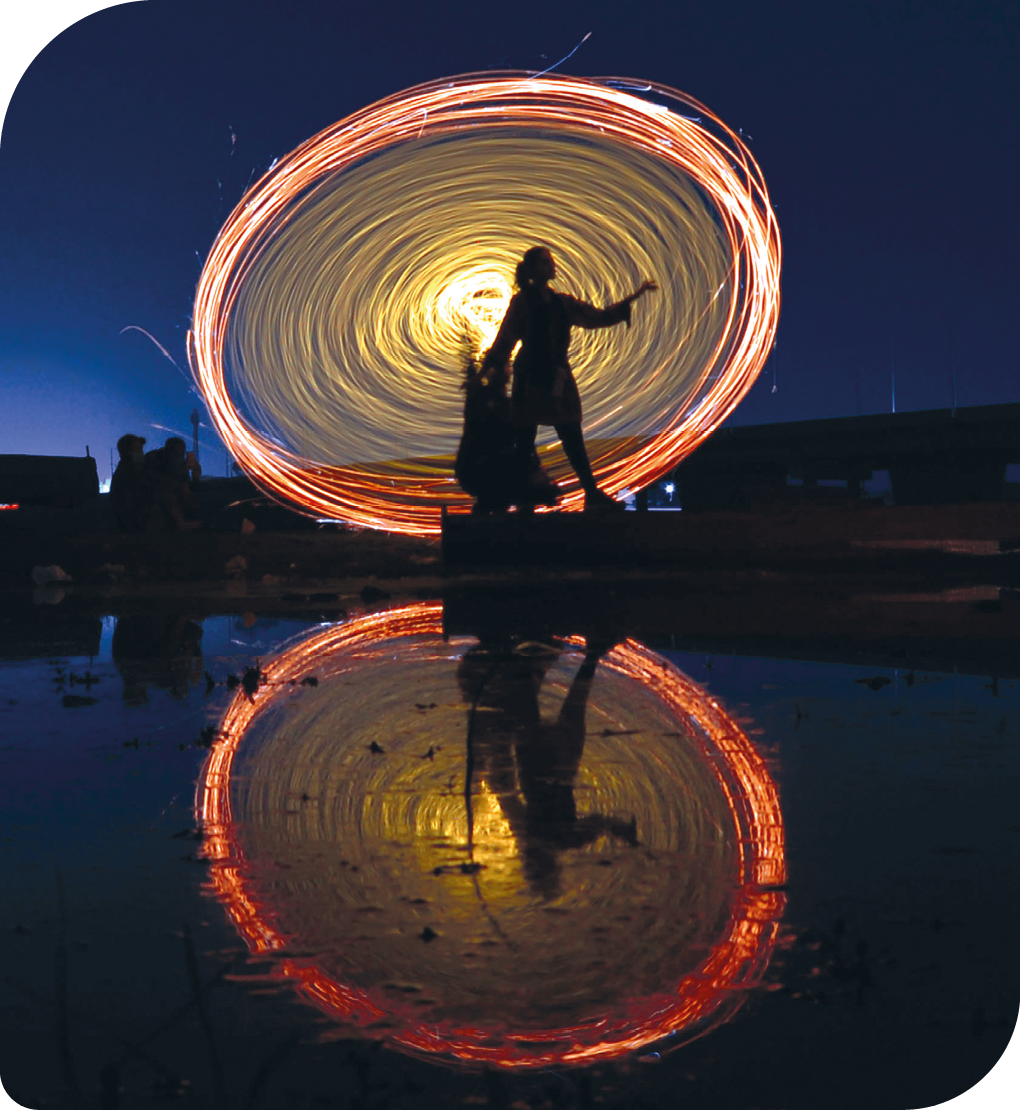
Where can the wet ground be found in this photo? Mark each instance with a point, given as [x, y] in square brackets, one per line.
[396, 854]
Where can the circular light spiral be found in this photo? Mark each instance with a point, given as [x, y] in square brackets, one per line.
[343, 296]
[292, 785]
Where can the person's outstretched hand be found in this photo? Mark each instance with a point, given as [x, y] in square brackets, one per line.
[646, 287]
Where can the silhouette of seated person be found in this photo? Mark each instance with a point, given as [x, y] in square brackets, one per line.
[156, 650]
[174, 473]
[529, 764]
[131, 486]
[485, 466]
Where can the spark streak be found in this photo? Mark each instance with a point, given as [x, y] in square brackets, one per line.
[331, 313]
[165, 352]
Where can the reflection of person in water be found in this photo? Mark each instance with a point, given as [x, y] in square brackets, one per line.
[160, 651]
[520, 755]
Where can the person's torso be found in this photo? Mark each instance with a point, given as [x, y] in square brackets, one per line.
[546, 337]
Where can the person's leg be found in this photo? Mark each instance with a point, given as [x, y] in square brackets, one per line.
[573, 446]
[524, 445]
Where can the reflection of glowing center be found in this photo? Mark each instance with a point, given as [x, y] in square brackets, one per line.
[475, 303]
[491, 832]
[544, 954]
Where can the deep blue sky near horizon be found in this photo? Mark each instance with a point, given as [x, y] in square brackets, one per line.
[887, 133]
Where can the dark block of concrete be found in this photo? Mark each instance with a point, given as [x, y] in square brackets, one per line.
[57, 481]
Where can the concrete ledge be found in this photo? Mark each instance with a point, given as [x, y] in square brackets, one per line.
[860, 534]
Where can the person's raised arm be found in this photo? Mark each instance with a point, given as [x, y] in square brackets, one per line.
[584, 315]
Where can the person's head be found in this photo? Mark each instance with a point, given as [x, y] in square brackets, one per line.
[536, 267]
[130, 445]
[175, 446]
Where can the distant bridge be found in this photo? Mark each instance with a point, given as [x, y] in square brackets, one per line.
[934, 457]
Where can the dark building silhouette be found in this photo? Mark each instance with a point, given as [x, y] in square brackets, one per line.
[933, 457]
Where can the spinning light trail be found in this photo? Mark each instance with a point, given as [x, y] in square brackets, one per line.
[325, 854]
[341, 299]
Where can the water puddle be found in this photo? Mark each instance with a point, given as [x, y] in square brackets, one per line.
[392, 862]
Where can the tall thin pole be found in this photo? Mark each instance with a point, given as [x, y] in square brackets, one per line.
[892, 371]
[952, 364]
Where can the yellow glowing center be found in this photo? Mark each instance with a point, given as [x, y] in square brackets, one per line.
[474, 304]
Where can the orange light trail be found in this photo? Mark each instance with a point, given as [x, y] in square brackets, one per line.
[677, 1013]
[335, 309]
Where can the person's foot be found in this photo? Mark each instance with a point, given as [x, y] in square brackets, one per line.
[545, 495]
[597, 501]
[486, 508]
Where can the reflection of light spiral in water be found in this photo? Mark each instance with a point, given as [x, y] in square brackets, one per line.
[661, 944]
[337, 306]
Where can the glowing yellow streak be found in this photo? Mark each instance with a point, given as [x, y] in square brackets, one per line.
[340, 296]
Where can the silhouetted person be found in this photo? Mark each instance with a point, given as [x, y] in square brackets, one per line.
[157, 650]
[174, 472]
[131, 488]
[485, 458]
[522, 756]
[544, 390]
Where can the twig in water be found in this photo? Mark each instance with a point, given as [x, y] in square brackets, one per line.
[203, 1013]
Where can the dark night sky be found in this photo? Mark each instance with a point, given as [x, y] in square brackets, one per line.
[887, 133]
